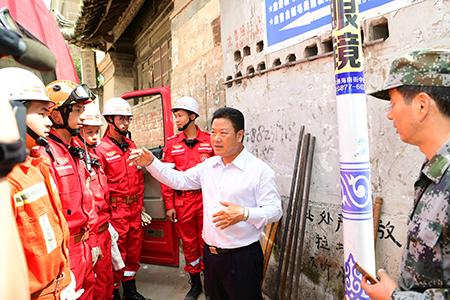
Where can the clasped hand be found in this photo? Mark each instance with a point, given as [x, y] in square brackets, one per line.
[231, 214]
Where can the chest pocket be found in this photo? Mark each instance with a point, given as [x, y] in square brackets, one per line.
[34, 220]
[179, 156]
[177, 152]
[423, 241]
[423, 261]
[40, 235]
[114, 162]
[67, 178]
[204, 152]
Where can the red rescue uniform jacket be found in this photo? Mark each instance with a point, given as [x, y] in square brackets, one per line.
[73, 181]
[99, 188]
[176, 151]
[123, 180]
[41, 224]
[101, 191]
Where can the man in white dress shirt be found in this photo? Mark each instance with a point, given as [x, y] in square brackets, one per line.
[239, 197]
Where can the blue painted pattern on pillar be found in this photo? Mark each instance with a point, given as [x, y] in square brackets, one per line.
[355, 188]
[353, 278]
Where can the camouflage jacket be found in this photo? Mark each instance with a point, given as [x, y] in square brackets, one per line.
[425, 270]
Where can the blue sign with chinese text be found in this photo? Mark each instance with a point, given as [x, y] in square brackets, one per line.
[288, 19]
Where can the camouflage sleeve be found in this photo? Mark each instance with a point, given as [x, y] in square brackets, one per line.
[435, 294]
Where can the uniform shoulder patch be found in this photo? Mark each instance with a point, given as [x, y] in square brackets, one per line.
[172, 137]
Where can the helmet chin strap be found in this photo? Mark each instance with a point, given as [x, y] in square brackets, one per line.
[40, 140]
[65, 111]
[124, 133]
[185, 126]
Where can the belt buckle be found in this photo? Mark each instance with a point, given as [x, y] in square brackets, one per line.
[213, 250]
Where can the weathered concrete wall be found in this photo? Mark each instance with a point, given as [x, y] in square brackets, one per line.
[197, 55]
[277, 103]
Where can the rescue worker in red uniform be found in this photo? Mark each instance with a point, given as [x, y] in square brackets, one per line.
[126, 188]
[35, 200]
[186, 149]
[88, 138]
[72, 177]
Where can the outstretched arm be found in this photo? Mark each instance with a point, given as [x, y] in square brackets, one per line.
[178, 180]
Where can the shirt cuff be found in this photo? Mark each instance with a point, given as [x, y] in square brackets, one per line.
[156, 165]
[255, 217]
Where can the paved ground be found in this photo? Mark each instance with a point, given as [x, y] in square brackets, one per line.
[164, 283]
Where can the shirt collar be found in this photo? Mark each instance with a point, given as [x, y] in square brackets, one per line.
[438, 164]
[239, 161]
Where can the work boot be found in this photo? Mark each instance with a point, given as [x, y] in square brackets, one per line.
[116, 294]
[196, 287]
[129, 291]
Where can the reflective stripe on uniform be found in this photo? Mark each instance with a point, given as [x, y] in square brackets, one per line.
[178, 151]
[129, 273]
[48, 232]
[60, 168]
[195, 262]
[53, 185]
[112, 158]
[30, 194]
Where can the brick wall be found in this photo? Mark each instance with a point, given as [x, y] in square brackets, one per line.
[147, 125]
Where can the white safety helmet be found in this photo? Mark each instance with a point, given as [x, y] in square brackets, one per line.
[117, 106]
[91, 115]
[22, 85]
[188, 104]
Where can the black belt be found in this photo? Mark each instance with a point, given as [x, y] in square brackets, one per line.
[216, 250]
[184, 193]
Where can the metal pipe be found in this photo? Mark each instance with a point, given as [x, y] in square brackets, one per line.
[298, 209]
[294, 214]
[309, 165]
[288, 213]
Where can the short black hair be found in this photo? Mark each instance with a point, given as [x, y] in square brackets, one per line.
[235, 116]
[440, 94]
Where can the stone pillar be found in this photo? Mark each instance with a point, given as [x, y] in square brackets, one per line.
[117, 70]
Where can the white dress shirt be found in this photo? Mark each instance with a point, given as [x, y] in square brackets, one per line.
[246, 181]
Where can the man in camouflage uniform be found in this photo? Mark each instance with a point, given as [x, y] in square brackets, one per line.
[419, 90]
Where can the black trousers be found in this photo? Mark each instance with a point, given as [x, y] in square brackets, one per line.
[234, 274]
